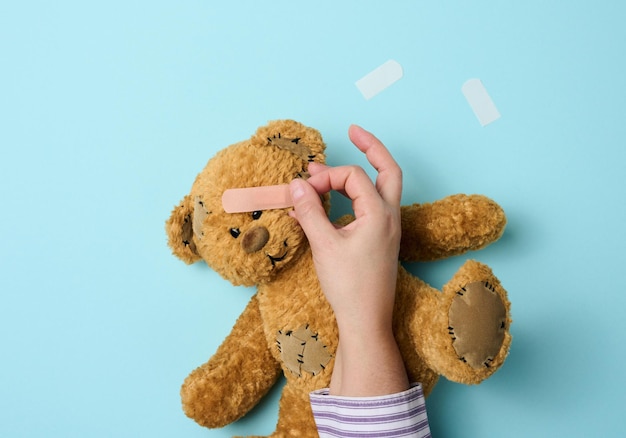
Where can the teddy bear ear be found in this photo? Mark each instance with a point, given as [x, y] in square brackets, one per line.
[301, 140]
[179, 229]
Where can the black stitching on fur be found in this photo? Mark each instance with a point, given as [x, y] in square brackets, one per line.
[276, 259]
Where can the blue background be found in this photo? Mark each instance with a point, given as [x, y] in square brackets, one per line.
[108, 110]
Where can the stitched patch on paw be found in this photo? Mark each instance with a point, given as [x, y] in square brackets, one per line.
[301, 350]
[477, 323]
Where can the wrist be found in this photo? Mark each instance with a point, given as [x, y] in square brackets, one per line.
[367, 337]
[360, 320]
[368, 365]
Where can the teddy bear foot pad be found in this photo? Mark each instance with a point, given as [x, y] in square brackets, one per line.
[477, 323]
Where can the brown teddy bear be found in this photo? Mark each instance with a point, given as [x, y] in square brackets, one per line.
[461, 332]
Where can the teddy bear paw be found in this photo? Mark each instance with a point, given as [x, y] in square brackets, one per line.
[478, 322]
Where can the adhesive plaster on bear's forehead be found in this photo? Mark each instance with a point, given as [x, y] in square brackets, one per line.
[256, 198]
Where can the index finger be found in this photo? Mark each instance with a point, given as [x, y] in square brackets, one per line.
[389, 179]
[352, 182]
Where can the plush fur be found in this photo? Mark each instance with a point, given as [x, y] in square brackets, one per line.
[461, 332]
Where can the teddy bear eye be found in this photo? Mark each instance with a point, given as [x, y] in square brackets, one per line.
[235, 232]
[256, 215]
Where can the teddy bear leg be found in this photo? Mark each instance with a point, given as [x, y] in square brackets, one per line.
[474, 327]
[295, 418]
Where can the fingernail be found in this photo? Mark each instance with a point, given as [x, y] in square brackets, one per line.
[356, 127]
[297, 190]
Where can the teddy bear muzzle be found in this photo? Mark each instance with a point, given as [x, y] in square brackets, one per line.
[255, 239]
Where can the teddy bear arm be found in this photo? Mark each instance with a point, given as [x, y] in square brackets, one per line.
[450, 226]
[236, 377]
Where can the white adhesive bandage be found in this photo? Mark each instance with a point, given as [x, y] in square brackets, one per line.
[380, 78]
[256, 198]
[480, 101]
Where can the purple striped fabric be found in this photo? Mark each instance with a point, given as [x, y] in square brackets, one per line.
[394, 415]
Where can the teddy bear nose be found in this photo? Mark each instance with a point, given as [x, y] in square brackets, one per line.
[254, 239]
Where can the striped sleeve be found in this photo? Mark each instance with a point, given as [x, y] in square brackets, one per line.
[395, 415]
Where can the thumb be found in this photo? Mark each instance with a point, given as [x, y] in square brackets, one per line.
[309, 212]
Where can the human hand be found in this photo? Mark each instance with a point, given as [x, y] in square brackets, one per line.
[357, 265]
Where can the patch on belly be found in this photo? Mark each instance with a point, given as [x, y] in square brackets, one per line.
[301, 350]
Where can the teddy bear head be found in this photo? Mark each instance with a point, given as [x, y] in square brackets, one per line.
[246, 248]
